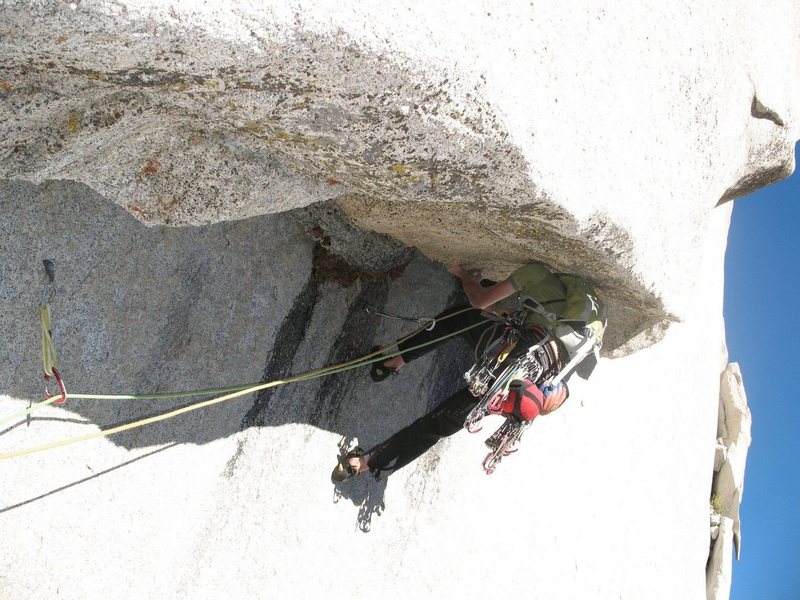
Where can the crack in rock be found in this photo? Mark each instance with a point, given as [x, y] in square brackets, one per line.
[759, 111]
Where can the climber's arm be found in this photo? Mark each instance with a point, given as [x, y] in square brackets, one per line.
[479, 296]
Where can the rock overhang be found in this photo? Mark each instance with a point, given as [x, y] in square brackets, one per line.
[490, 140]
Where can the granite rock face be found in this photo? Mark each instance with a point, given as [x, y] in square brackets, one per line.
[244, 485]
[480, 135]
[733, 441]
[323, 158]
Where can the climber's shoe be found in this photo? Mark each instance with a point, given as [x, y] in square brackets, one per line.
[343, 469]
[379, 371]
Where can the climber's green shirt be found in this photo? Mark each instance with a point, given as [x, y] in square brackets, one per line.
[536, 281]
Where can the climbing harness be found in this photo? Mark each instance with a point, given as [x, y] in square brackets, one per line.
[580, 325]
[49, 356]
[426, 323]
[538, 364]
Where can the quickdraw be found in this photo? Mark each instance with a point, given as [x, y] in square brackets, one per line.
[426, 323]
[481, 375]
[49, 356]
[503, 442]
[528, 366]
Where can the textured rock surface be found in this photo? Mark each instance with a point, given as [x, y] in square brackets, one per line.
[480, 134]
[733, 441]
[719, 571]
[597, 139]
[235, 500]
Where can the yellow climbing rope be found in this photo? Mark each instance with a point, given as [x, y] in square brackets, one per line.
[233, 392]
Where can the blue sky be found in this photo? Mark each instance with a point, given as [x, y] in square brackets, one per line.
[762, 322]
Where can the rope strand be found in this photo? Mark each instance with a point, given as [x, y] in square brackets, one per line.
[237, 392]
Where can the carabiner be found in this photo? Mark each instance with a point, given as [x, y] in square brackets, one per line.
[60, 383]
[427, 323]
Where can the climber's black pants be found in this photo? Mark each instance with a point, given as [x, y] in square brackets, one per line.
[412, 441]
[448, 417]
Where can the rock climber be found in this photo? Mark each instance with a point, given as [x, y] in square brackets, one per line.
[533, 281]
